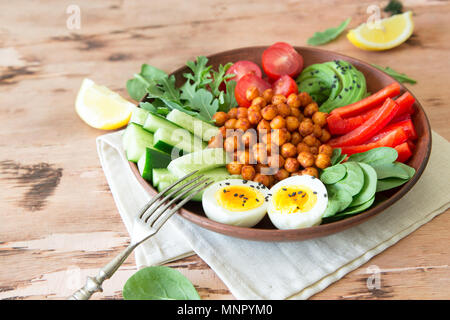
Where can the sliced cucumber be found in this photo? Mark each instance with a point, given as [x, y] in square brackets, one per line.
[135, 139]
[165, 178]
[174, 141]
[197, 127]
[152, 158]
[138, 116]
[202, 160]
[154, 122]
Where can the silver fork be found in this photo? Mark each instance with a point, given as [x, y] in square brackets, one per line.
[147, 223]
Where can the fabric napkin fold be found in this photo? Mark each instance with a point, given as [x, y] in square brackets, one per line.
[278, 270]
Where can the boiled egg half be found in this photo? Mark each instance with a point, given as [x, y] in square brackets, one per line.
[297, 202]
[236, 202]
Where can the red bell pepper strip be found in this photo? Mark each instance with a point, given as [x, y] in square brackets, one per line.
[338, 125]
[369, 128]
[404, 151]
[394, 138]
[407, 125]
[370, 102]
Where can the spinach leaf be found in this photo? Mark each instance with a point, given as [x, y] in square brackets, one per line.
[391, 170]
[357, 209]
[375, 156]
[333, 174]
[400, 77]
[370, 185]
[326, 36]
[337, 157]
[389, 183]
[354, 180]
[159, 283]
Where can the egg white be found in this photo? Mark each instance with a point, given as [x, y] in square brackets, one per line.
[298, 220]
[246, 218]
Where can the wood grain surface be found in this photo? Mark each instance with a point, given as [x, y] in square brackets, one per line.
[58, 220]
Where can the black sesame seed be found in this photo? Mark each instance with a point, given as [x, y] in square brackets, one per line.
[235, 194]
[325, 195]
[284, 189]
[358, 86]
[315, 192]
[244, 181]
[257, 200]
[310, 84]
[227, 183]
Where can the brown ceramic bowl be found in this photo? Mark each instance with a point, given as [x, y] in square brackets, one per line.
[265, 231]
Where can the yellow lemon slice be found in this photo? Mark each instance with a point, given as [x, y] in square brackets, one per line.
[383, 34]
[102, 108]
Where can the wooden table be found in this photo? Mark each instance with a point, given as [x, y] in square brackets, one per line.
[58, 221]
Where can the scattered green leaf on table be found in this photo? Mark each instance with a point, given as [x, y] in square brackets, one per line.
[400, 77]
[159, 283]
[326, 36]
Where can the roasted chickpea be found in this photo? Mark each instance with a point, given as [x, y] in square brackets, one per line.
[259, 101]
[263, 126]
[234, 167]
[275, 161]
[320, 118]
[254, 108]
[216, 141]
[297, 173]
[242, 113]
[248, 172]
[261, 178]
[220, 118]
[305, 98]
[281, 174]
[311, 171]
[283, 110]
[296, 112]
[323, 161]
[291, 165]
[223, 131]
[292, 123]
[232, 113]
[310, 109]
[230, 123]
[243, 124]
[306, 159]
[317, 130]
[325, 136]
[306, 127]
[249, 137]
[269, 112]
[278, 99]
[293, 100]
[288, 136]
[261, 168]
[311, 141]
[251, 93]
[288, 150]
[278, 123]
[267, 95]
[245, 157]
[314, 150]
[232, 143]
[260, 152]
[303, 147]
[326, 149]
[296, 138]
[254, 117]
[279, 136]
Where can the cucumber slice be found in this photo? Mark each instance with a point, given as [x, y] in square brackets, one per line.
[135, 139]
[152, 158]
[164, 178]
[203, 160]
[174, 141]
[197, 127]
[154, 122]
[138, 116]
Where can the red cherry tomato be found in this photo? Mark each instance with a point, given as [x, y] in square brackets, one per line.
[285, 85]
[247, 81]
[241, 68]
[281, 59]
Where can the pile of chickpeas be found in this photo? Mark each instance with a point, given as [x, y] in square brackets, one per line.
[275, 138]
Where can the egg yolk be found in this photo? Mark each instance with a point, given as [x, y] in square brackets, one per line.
[290, 199]
[239, 198]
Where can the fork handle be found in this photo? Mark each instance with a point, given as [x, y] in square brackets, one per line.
[94, 284]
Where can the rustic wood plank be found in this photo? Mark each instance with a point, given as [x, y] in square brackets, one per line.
[59, 222]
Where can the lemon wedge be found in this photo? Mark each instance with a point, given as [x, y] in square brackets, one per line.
[383, 34]
[102, 108]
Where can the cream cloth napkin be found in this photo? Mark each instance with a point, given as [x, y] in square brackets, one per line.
[271, 270]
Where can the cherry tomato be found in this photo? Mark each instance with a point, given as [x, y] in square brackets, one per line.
[285, 85]
[242, 67]
[246, 82]
[281, 59]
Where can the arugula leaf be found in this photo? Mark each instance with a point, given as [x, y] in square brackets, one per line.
[229, 100]
[201, 75]
[394, 7]
[206, 104]
[400, 77]
[159, 283]
[137, 86]
[326, 36]
[219, 77]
